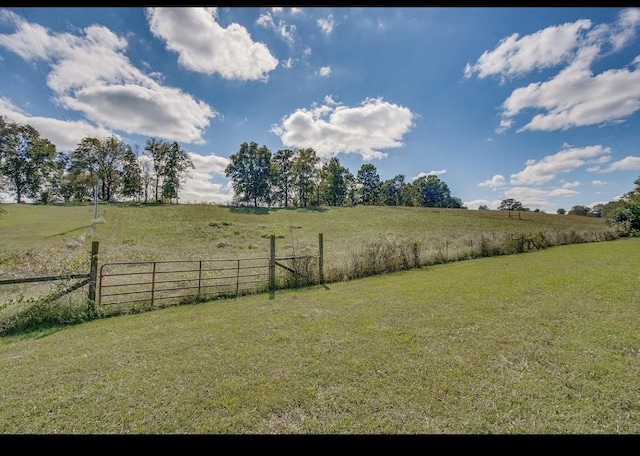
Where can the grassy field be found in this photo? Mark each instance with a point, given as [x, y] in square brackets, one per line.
[175, 232]
[38, 240]
[546, 342]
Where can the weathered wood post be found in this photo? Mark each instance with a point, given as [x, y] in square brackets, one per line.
[272, 263]
[93, 277]
[320, 257]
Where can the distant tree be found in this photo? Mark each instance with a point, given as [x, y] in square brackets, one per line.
[596, 210]
[369, 183]
[483, 207]
[305, 173]
[282, 176]
[510, 204]
[391, 191]
[624, 214]
[580, 210]
[131, 174]
[409, 195]
[250, 170]
[111, 155]
[81, 175]
[26, 159]
[561, 211]
[158, 151]
[334, 186]
[176, 170]
[433, 192]
[352, 188]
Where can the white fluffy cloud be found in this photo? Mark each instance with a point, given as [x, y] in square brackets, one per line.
[333, 128]
[199, 188]
[546, 169]
[66, 135]
[575, 96]
[91, 74]
[516, 56]
[208, 47]
[628, 163]
[496, 181]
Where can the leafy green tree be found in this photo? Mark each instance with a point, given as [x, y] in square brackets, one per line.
[369, 182]
[624, 214]
[580, 210]
[305, 173]
[26, 159]
[390, 191]
[158, 151]
[250, 172]
[282, 176]
[131, 175]
[409, 195]
[111, 155]
[176, 170]
[432, 192]
[81, 176]
[561, 211]
[334, 186]
[483, 207]
[352, 188]
[510, 204]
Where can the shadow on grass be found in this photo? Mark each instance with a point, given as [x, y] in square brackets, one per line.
[267, 210]
[70, 231]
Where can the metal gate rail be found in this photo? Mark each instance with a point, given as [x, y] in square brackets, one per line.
[172, 280]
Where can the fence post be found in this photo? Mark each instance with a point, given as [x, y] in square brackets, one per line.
[320, 257]
[272, 263]
[93, 276]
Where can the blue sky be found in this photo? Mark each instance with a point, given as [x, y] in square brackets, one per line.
[537, 104]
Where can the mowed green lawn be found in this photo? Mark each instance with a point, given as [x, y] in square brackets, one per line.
[545, 342]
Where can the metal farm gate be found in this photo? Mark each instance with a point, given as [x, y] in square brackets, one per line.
[158, 283]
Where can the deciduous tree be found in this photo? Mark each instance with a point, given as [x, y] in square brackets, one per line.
[26, 159]
[369, 182]
[250, 170]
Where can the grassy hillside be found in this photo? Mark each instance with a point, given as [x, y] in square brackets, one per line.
[133, 233]
[39, 240]
[540, 343]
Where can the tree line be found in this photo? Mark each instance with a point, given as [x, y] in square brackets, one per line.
[106, 168]
[299, 178]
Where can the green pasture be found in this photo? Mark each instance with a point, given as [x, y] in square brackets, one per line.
[544, 342]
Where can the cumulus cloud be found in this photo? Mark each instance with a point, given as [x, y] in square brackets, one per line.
[496, 181]
[208, 47]
[324, 71]
[598, 182]
[475, 204]
[546, 169]
[199, 187]
[286, 32]
[516, 56]
[326, 25]
[433, 172]
[65, 135]
[91, 74]
[529, 197]
[333, 128]
[575, 96]
[628, 163]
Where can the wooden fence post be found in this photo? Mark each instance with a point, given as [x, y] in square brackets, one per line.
[272, 263]
[320, 257]
[93, 277]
